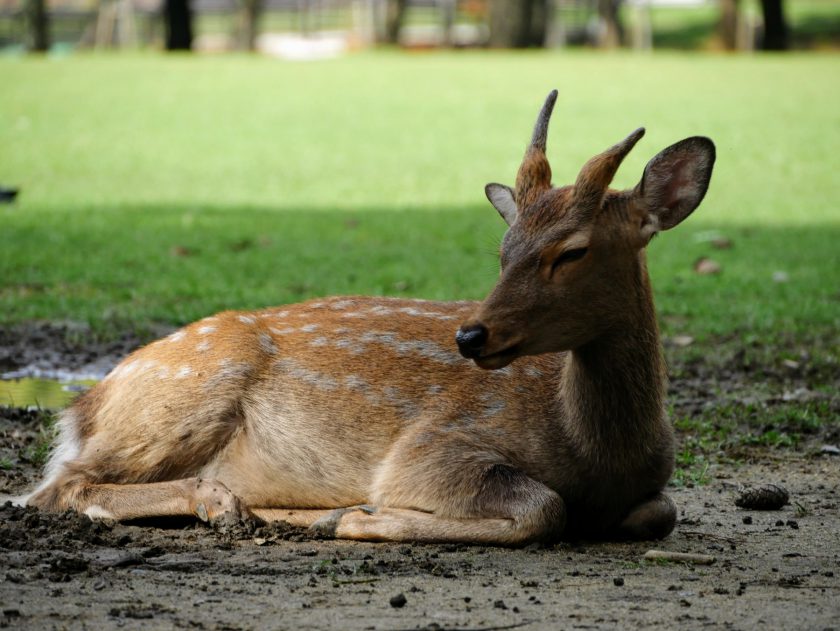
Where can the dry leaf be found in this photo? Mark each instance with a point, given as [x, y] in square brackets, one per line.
[181, 250]
[706, 266]
[721, 243]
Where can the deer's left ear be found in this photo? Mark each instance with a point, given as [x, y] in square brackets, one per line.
[502, 198]
[674, 183]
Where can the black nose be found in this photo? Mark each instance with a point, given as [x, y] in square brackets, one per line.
[471, 340]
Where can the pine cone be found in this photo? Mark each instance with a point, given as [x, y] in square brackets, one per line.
[764, 497]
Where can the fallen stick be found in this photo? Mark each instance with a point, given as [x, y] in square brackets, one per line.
[679, 557]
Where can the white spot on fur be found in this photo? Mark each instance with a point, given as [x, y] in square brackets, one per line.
[246, 319]
[319, 341]
[177, 336]
[317, 305]
[287, 331]
[97, 512]
[342, 304]
[203, 347]
[183, 371]
[232, 374]
[128, 368]
[309, 328]
[311, 377]
[281, 314]
[267, 344]
[206, 329]
[425, 314]
[163, 373]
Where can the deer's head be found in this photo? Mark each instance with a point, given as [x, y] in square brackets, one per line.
[572, 263]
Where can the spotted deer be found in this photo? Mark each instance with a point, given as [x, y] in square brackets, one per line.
[357, 417]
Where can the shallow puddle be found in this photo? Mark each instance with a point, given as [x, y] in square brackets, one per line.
[48, 394]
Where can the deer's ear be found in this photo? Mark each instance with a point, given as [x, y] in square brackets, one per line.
[674, 183]
[502, 198]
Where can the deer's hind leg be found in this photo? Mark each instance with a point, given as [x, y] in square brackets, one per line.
[107, 467]
[202, 498]
[433, 487]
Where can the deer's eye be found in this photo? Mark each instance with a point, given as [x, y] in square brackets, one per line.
[568, 256]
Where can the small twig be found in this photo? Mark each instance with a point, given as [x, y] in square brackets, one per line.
[679, 557]
[502, 628]
[708, 535]
[357, 581]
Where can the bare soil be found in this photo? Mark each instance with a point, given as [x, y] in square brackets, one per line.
[773, 569]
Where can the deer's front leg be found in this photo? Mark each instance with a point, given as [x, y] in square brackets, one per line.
[652, 519]
[443, 489]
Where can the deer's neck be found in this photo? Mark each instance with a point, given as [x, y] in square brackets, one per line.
[613, 388]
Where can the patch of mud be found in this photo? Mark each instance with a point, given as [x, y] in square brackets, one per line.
[63, 350]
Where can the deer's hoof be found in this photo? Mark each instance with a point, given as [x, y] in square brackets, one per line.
[212, 501]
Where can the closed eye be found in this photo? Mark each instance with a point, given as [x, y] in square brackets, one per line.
[568, 256]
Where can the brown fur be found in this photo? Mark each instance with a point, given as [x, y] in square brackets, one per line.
[339, 402]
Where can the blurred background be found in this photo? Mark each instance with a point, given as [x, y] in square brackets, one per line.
[300, 29]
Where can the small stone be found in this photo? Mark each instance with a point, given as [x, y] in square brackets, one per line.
[398, 601]
[500, 604]
[780, 277]
[831, 450]
[618, 581]
[747, 520]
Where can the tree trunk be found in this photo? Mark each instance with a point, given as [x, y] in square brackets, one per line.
[729, 19]
[250, 13]
[776, 32]
[394, 20]
[39, 27]
[612, 31]
[518, 23]
[178, 17]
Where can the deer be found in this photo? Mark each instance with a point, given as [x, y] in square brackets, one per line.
[362, 418]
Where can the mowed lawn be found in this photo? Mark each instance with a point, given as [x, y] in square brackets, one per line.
[160, 189]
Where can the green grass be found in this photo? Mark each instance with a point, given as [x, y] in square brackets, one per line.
[160, 189]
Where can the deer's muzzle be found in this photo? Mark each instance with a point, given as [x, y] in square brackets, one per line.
[471, 340]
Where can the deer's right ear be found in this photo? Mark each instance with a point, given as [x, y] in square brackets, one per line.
[674, 183]
[502, 198]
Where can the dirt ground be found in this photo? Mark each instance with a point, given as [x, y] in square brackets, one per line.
[772, 569]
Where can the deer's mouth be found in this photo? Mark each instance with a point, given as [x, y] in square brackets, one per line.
[499, 359]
